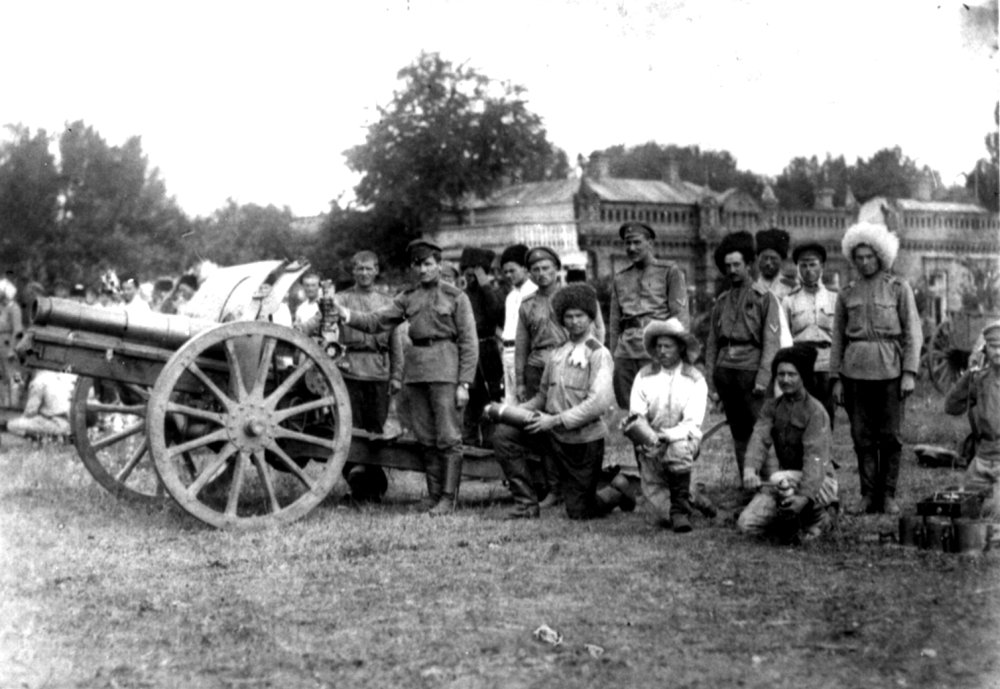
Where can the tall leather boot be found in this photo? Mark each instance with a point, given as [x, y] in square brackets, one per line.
[452, 479]
[433, 470]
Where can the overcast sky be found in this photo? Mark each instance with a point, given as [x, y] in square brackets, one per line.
[258, 100]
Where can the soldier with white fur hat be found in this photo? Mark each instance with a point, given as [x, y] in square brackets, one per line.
[874, 359]
[670, 395]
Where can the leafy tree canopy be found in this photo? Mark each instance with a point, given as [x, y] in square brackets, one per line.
[450, 132]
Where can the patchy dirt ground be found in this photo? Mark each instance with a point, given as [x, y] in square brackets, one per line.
[96, 593]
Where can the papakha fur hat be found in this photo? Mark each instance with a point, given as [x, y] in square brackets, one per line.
[578, 295]
[802, 357]
[742, 242]
[775, 239]
[518, 253]
[883, 242]
[474, 257]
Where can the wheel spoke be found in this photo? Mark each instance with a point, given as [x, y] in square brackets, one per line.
[195, 443]
[209, 472]
[291, 465]
[106, 408]
[210, 384]
[286, 385]
[267, 353]
[236, 370]
[237, 486]
[264, 471]
[282, 432]
[118, 437]
[283, 414]
[204, 414]
[132, 462]
[138, 390]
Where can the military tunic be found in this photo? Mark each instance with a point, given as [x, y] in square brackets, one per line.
[639, 295]
[367, 356]
[744, 333]
[810, 317]
[443, 331]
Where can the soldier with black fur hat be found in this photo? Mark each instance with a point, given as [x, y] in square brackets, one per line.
[800, 497]
[574, 392]
[488, 312]
[439, 366]
[649, 289]
[513, 263]
[742, 340]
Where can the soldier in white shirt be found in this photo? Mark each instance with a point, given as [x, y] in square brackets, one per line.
[307, 311]
[515, 269]
[809, 311]
[670, 394]
[46, 413]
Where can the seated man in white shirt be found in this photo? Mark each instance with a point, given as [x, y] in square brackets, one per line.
[46, 413]
[670, 395]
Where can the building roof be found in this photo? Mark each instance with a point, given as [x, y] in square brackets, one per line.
[530, 194]
[647, 190]
[939, 206]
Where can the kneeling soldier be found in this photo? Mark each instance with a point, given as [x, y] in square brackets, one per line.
[800, 499]
[574, 392]
[669, 394]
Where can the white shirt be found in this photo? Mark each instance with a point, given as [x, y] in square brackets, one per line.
[137, 306]
[512, 305]
[672, 400]
[305, 311]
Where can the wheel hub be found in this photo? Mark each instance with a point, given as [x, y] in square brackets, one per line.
[250, 426]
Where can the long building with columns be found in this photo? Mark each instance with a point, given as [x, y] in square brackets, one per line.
[580, 217]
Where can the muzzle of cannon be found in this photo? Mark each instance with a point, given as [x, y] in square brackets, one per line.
[157, 329]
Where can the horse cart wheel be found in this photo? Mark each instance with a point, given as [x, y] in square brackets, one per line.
[108, 421]
[249, 425]
[942, 358]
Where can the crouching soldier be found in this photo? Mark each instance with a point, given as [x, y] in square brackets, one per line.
[670, 395]
[800, 499]
[978, 393]
[437, 369]
[574, 392]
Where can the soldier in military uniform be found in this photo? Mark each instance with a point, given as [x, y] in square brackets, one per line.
[539, 333]
[368, 364]
[649, 289]
[488, 310]
[874, 358]
[809, 311]
[574, 392]
[772, 250]
[742, 340]
[439, 366]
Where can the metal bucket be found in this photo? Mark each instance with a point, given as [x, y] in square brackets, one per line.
[509, 414]
[637, 429]
[911, 530]
[970, 536]
[938, 534]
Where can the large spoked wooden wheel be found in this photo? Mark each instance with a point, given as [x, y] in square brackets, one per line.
[249, 425]
[943, 361]
[108, 421]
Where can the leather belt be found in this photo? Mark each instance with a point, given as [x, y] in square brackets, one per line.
[428, 341]
[509, 343]
[817, 344]
[726, 342]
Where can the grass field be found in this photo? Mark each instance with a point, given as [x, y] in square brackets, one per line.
[97, 593]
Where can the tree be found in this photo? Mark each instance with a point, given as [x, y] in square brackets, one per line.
[29, 194]
[240, 234]
[796, 186]
[451, 132]
[984, 180]
[887, 173]
[716, 170]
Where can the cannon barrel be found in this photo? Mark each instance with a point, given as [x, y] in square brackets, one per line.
[158, 329]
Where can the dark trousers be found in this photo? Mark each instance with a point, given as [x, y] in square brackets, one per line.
[369, 409]
[742, 407]
[823, 391]
[550, 479]
[624, 376]
[579, 466]
[875, 411]
[486, 387]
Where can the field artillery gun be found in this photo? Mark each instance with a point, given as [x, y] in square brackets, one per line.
[243, 422]
[952, 344]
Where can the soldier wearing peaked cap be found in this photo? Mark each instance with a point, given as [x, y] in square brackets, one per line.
[649, 289]
[539, 334]
[809, 310]
[742, 340]
[439, 367]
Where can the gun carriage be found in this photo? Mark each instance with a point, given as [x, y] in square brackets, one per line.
[241, 421]
[952, 344]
